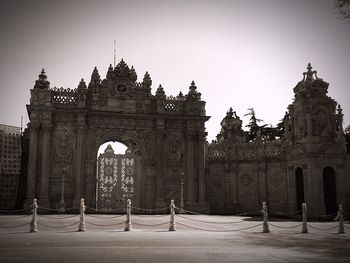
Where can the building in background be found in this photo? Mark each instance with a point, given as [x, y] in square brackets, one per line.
[10, 165]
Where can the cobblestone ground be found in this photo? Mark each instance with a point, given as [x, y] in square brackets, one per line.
[235, 239]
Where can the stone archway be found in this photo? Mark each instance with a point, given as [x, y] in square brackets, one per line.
[118, 176]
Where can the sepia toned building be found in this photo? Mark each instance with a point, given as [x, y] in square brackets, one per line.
[165, 134]
[166, 146]
[10, 165]
[308, 162]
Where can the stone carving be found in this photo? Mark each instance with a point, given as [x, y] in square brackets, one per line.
[246, 179]
[64, 150]
[174, 155]
[276, 180]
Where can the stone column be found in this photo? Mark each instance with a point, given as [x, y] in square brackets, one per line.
[32, 163]
[160, 170]
[262, 182]
[202, 180]
[190, 200]
[78, 165]
[234, 171]
[45, 165]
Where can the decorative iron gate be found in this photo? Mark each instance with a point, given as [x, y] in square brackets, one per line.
[117, 181]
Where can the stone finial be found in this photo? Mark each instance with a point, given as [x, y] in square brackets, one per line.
[193, 94]
[309, 74]
[160, 94]
[42, 82]
[132, 74]
[147, 81]
[82, 85]
[95, 76]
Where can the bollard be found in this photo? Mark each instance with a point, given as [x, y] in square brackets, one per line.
[81, 227]
[128, 216]
[265, 223]
[33, 224]
[341, 220]
[172, 226]
[304, 229]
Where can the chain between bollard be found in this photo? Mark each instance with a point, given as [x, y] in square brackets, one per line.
[33, 223]
[265, 219]
[128, 226]
[172, 226]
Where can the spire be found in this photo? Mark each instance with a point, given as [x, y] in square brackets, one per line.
[122, 69]
[114, 55]
[95, 76]
[42, 82]
[110, 72]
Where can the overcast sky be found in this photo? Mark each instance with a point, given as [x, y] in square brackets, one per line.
[241, 54]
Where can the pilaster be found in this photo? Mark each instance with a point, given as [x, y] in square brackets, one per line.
[45, 165]
[32, 163]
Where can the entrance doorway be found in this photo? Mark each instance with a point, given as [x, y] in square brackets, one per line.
[299, 182]
[329, 190]
[117, 177]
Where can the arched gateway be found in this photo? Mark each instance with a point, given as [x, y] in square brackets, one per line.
[67, 126]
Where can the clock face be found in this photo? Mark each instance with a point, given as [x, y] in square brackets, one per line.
[122, 88]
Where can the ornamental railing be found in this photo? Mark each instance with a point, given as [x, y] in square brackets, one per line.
[65, 96]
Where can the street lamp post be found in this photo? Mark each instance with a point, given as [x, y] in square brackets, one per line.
[62, 208]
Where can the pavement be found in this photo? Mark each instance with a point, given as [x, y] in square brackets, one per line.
[198, 238]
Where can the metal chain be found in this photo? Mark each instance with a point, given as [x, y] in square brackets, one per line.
[52, 217]
[18, 217]
[322, 229]
[160, 224]
[291, 213]
[13, 211]
[209, 222]
[41, 224]
[15, 226]
[249, 213]
[299, 225]
[220, 230]
[150, 217]
[149, 209]
[346, 213]
[187, 211]
[99, 217]
[114, 224]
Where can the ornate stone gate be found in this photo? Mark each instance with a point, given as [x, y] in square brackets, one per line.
[67, 126]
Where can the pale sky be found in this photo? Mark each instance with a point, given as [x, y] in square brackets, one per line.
[241, 54]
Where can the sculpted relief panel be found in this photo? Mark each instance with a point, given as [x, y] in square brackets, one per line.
[63, 141]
